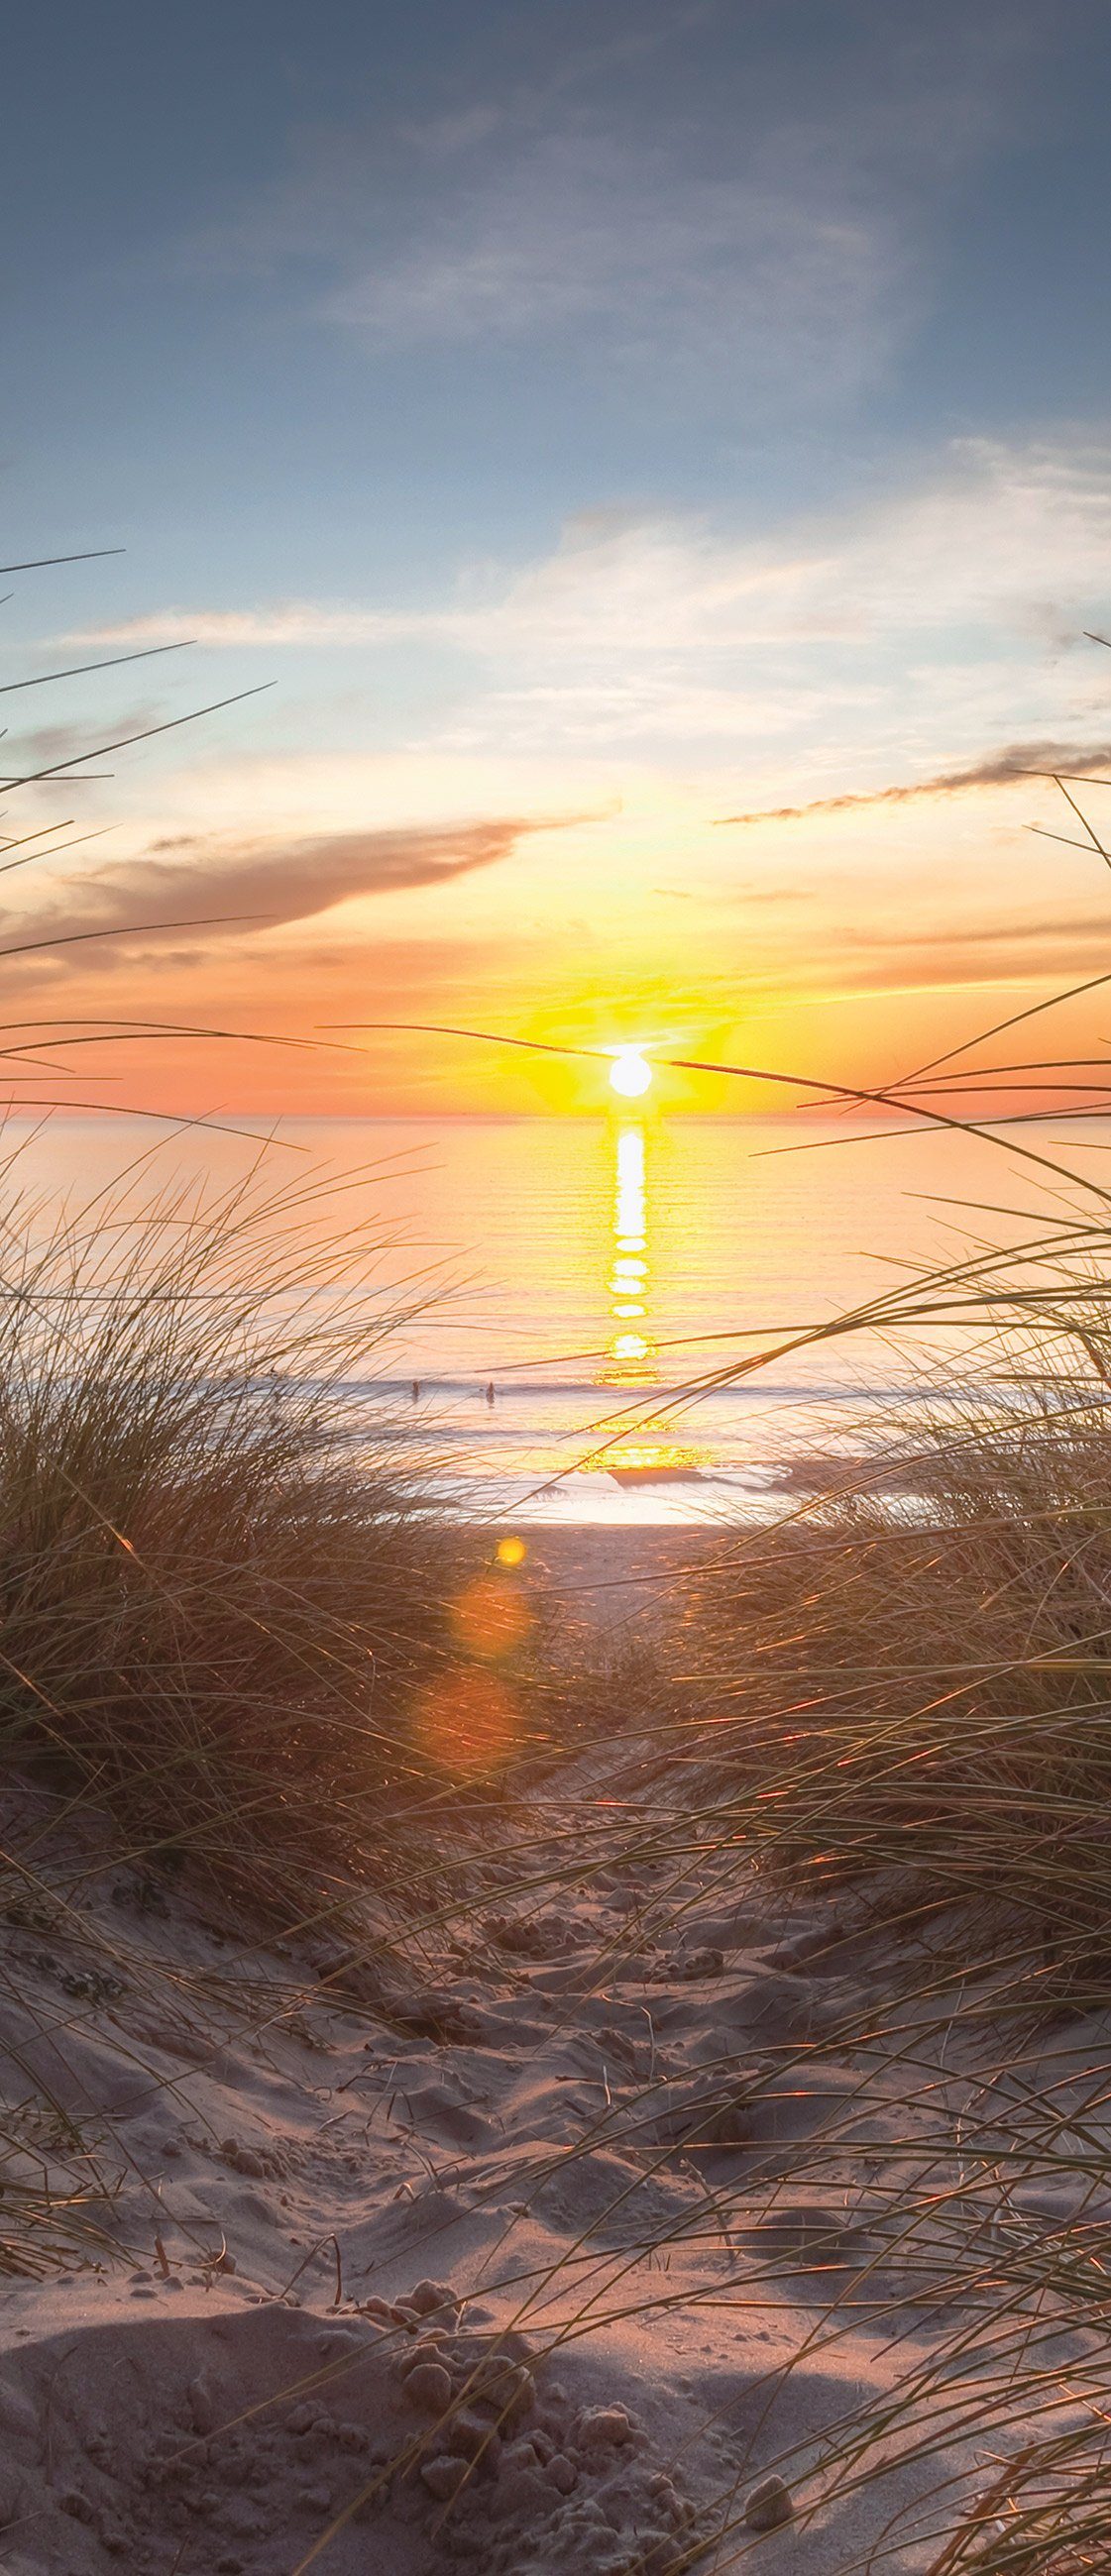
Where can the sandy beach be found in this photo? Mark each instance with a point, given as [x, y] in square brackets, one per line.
[606, 1583]
[559, 2227]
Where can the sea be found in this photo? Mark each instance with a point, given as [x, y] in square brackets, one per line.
[615, 1319]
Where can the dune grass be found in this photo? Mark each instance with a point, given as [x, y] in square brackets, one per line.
[217, 1612]
[226, 1628]
[905, 1707]
[243, 1642]
[925, 1683]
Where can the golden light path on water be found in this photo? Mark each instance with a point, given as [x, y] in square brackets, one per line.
[637, 1457]
[628, 1282]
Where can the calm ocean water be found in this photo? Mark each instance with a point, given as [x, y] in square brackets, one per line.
[575, 1275]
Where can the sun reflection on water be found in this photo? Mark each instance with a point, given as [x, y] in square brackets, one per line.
[644, 1454]
[630, 1355]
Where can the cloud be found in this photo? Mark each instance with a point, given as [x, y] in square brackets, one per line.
[270, 885]
[1018, 760]
[678, 200]
[53, 746]
[588, 230]
[919, 628]
[1048, 951]
[1074, 936]
[295, 621]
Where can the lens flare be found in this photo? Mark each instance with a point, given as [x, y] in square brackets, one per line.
[490, 1619]
[468, 1724]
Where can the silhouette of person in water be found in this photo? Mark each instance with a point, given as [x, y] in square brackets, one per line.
[490, 1392]
[416, 1390]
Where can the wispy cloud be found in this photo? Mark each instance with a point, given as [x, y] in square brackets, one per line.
[264, 886]
[914, 629]
[1003, 769]
[1000, 952]
[757, 272]
[765, 239]
[295, 622]
[51, 746]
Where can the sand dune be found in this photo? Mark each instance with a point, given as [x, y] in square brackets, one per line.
[569, 2241]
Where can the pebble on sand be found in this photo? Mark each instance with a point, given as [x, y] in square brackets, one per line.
[429, 2387]
[769, 2505]
[443, 2476]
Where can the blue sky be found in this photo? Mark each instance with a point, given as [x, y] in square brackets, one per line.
[597, 421]
[433, 278]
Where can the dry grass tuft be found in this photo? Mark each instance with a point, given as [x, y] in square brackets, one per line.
[928, 1686]
[216, 1611]
[906, 1695]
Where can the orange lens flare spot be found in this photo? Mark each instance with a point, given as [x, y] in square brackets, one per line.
[468, 1723]
[490, 1619]
[511, 1551]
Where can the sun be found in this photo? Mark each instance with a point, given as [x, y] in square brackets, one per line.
[629, 1073]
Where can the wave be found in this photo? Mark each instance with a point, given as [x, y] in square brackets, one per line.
[604, 1392]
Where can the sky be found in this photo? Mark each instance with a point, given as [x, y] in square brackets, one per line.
[653, 465]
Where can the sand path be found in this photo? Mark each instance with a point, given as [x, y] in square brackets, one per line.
[540, 2252]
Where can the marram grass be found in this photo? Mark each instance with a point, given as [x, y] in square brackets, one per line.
[216, 1615]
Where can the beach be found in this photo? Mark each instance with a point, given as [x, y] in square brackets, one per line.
[609, 1584]
[555, 1411]
[570, 2213]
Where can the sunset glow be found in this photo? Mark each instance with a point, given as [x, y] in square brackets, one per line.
[555, 795]
[668, 604]
[555, 833]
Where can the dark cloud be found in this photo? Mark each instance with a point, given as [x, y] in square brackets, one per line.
[294, 881]
[1016, 760]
